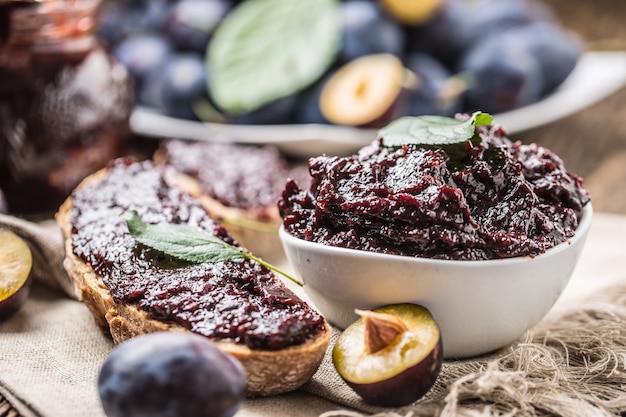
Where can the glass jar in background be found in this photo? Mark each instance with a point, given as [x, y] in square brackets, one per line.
[64, 102]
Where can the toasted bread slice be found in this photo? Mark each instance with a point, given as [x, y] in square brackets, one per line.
[257, 230]
[239, 185]
[270, 371]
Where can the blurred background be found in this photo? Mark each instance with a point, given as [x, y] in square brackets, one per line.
[592, 142]
[234, 63]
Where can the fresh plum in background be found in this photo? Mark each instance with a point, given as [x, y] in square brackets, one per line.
[499, 55]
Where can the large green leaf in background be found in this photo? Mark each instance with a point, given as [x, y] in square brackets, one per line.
[268, 49]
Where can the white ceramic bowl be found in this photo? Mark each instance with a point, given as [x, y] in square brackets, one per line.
[480, 306]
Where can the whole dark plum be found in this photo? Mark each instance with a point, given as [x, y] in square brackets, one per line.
[434, 93]
[173, 87]
[192, 22]
[556, 50]
[493, 17]
[503, 74]
[168, 374]
[140, 53]
[444, 35]
[119, 19]
[366, 30]
[308, 106]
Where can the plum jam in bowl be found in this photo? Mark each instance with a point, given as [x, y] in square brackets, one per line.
[446, 213]
[480, 306]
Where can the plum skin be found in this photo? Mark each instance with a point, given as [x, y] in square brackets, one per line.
[170, 374]
[14, 302]
[399, 373]
[367, 30]
[393, 392]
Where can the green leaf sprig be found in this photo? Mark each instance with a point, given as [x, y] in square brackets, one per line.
[265, 50]
[189, 243]
[445, 133]
[432, 131]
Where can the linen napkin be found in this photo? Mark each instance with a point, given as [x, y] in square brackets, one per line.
[572, 364]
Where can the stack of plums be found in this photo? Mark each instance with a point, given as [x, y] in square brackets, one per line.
[395, 58]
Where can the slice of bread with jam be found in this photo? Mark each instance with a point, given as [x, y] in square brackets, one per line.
[131, 289]
[239, 185]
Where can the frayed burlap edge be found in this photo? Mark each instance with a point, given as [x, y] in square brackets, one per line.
[572, 364]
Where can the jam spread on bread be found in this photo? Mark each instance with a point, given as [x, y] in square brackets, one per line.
[240, 176]
[493, 199]
[237, 300]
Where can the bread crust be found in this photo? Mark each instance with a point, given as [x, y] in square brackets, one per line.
[269, 372]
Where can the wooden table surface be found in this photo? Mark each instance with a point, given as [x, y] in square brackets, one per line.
[592, 142]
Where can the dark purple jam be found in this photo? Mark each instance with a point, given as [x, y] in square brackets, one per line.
[234, 300]
[498, 199]
[239, 176]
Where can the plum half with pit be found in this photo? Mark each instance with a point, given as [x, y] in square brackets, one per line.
[15, 272]
[391, 356]
[365, 92]
[170, 374]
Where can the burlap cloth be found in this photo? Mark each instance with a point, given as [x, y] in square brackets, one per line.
[572, 364]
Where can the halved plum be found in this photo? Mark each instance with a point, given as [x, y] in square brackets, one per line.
[364, 92]
[15, 278]
[391, 356]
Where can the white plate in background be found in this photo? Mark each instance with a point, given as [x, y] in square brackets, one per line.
[596, 76]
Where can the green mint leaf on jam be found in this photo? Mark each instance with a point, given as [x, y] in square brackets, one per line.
[265, 50]
[188, 243]
[431, 131]
[180, 241]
